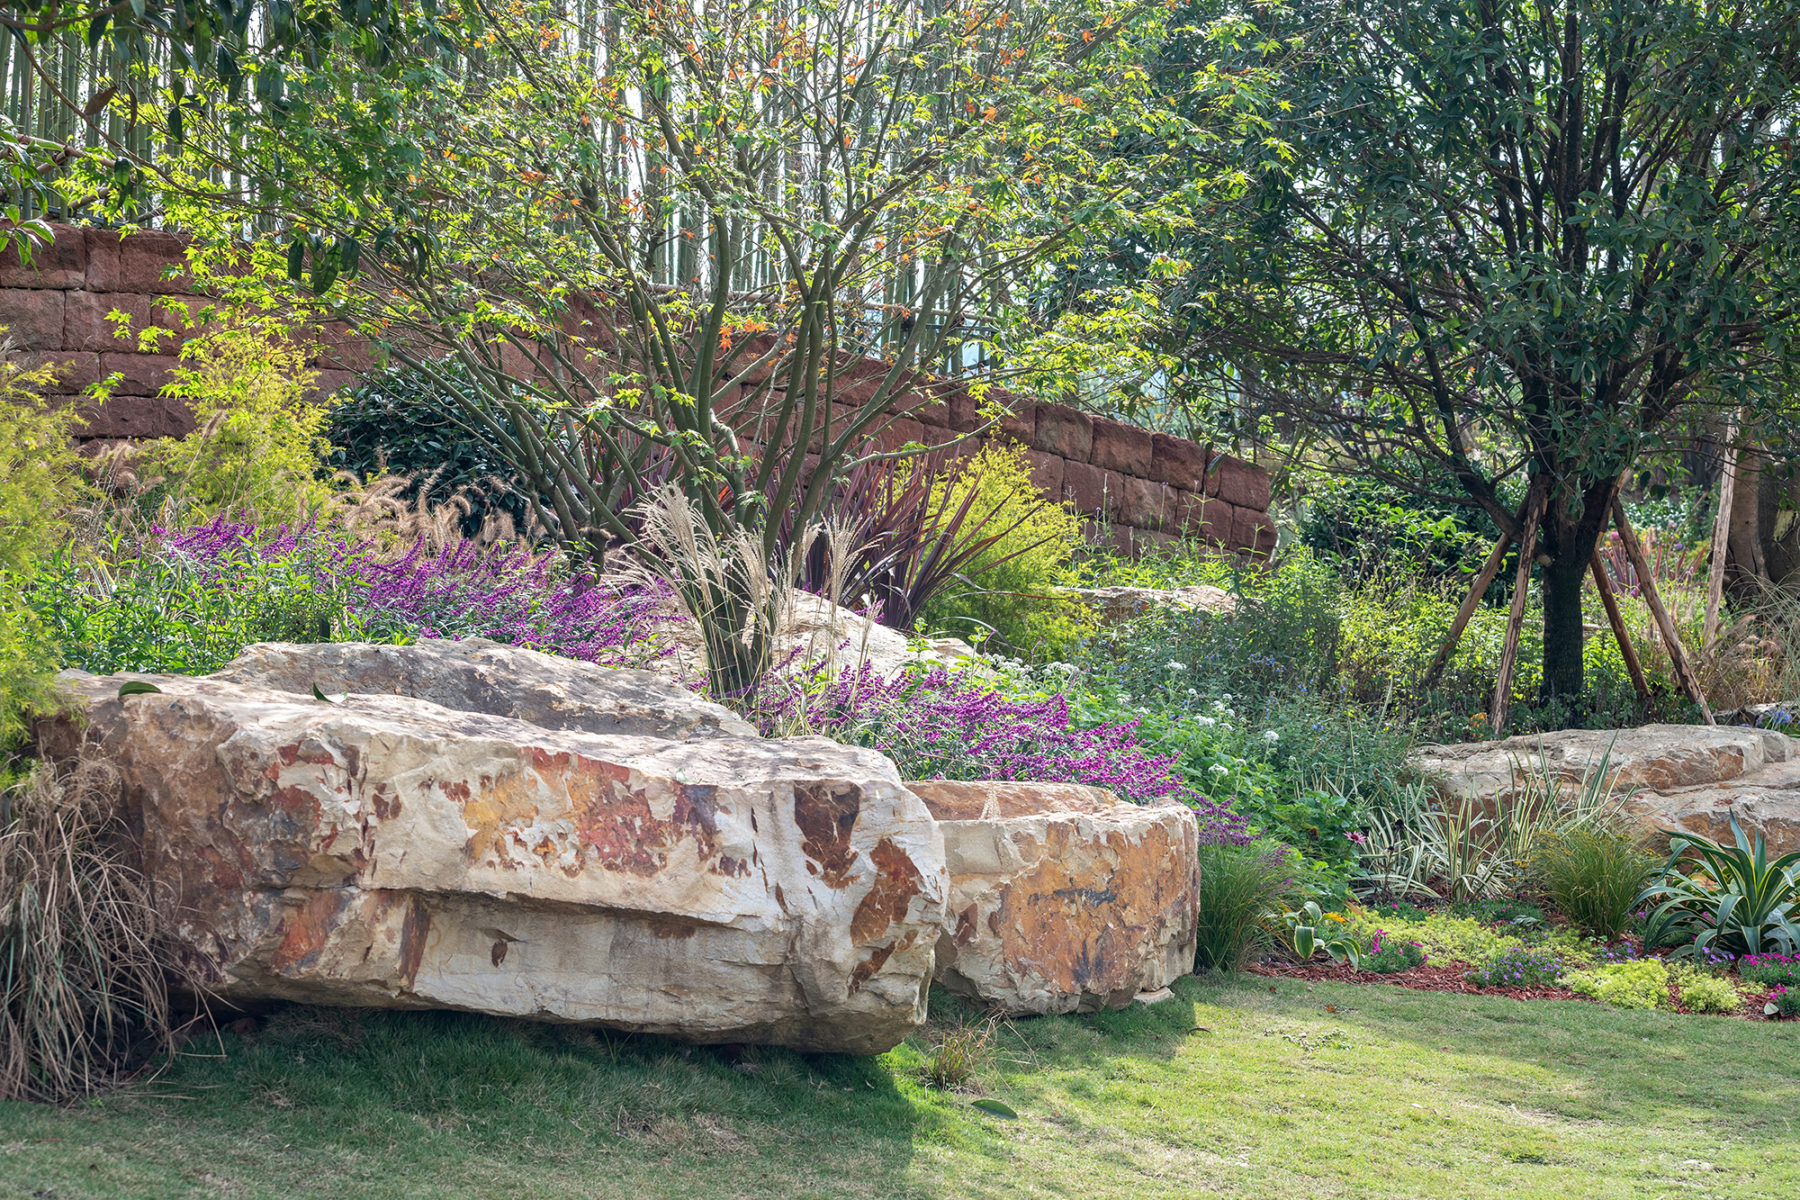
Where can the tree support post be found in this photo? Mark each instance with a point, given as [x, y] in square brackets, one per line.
[1483, 579]
[1617, 620]
[1684, 671]
[1721, 539]
[1501, 704]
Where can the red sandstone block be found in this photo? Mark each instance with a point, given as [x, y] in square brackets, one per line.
[137, 417]
[1085, 487]
[1252, 531]
[1145, 503]
[342, 348]
[140, 374]
[899, 433]
[1121, 447]
[75, 369]
[330, 383]
[60, 264]
[1046, 473]
[32, 320]
[965, 414]
[1239, 482]
[1145, 540]
[1063, 431]
[1124, 540]
[88, 324]
[1177, 461]
[141, 262]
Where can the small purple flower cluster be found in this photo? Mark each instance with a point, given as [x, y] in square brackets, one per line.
[1520, 966]
[936, 725]
[506, 593]
[1619, 952]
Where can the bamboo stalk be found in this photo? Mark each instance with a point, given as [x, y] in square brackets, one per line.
[1721, 539]
[1665, 624]
[1500, 706]
[1617, 620]
[1483, 579]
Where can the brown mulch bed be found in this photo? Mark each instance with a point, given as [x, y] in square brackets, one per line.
[1449, 979]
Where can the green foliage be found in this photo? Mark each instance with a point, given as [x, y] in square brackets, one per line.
[1239, 887]
[1704, 992]
[1373, 530]
[1305, 926]
[259, 446]
[154, 609]
[1643, 984]
[1783, 1002]
[40, 481]
[397, 422]
[1771, 971]
[1014, 596]
[1443, 938]
[1390, 954]
[1734, 898]
[1594, 876]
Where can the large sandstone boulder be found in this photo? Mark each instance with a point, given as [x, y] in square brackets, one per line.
[480, 676]
[1063, 898]
[391, 852]
[1692, 778]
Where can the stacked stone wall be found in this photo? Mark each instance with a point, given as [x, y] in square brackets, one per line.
[1137, 487]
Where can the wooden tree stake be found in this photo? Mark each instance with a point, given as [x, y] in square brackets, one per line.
[1721, 540]
[1489, 569]
[1617, 619]
[1690, 682]
[1499, 708]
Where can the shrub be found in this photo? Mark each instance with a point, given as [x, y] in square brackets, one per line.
[39, 481]
[189, 602]
[1782, 1002]
[1240, 886]
[1389, 954]
[1593, 876]
[1017, 599]
[84, 978]
[259, 447]
[1704, 992]
[1770, 969]
[393, 423]
[1446, 939]
[957, 1055]
[1519, 966]
[1641, 984]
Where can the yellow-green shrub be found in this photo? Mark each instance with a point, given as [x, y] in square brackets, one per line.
[1014, 582]
[259, 441]
[1444, 939]
[1704, 992]
[1642, 984]
[39, 482]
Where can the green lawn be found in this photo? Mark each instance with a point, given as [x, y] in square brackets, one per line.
[1396, 1093]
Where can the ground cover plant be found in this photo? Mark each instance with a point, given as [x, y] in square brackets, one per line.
[1218, 1092]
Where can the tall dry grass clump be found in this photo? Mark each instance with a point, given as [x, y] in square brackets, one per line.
[84, 977]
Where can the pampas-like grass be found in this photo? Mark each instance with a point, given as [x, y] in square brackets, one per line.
[84, 977]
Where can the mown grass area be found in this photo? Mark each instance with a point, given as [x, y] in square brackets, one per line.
[1235, 1087]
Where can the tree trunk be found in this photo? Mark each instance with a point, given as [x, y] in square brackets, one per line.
[1563, 579]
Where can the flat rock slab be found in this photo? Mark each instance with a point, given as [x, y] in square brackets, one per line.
[1112, 604]
[391, 852]
[481, 676]
[1063, 898]
[1691, 778]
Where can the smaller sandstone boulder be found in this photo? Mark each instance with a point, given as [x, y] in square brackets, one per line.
[479, 676]
[1114, 604]
[1063, 898]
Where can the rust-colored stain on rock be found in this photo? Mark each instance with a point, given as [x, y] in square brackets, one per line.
[305, 929]
[897, 881]
[826, 815]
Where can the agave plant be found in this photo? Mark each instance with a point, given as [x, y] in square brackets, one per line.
[1735, 898]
